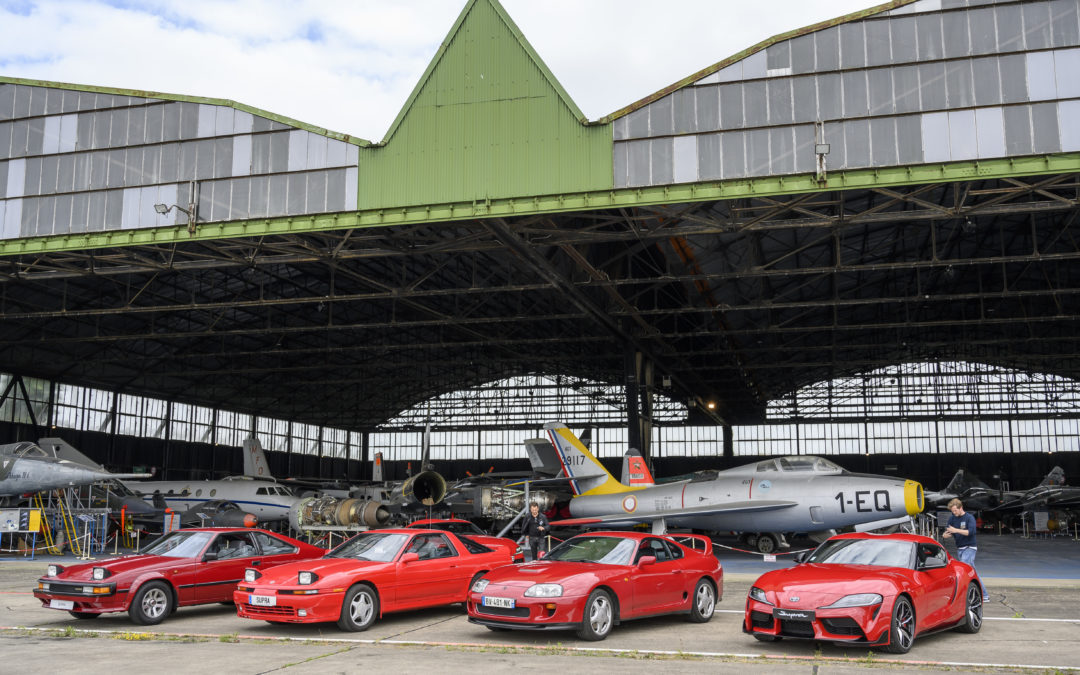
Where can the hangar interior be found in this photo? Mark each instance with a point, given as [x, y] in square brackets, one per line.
[862, 210]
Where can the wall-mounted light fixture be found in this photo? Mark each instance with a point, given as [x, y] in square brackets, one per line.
[192, 210]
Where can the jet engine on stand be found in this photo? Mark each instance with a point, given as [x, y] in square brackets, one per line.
[324, 512]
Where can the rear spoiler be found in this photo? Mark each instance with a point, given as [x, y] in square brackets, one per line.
[698, 542]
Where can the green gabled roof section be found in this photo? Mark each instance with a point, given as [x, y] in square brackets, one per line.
[487, 120]
[355, 140]
[735, 58]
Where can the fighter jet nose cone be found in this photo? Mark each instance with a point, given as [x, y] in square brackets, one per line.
[250, 520]
[914, 500]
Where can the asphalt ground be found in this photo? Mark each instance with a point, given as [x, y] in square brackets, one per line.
[1032, 625]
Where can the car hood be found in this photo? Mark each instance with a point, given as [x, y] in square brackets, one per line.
[131, 563]
[325, 568]
[553, 572]
[819, 585]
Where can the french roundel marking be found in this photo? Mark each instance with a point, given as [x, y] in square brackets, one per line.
[629, 503]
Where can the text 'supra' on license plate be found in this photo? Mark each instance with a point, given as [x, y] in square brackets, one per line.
[62, 604]
[506, 603]
[263, 600]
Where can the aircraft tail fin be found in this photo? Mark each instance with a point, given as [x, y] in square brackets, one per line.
[1055, 478]
[376, 470]
[635, 472]
[587, 475]
[255, 463]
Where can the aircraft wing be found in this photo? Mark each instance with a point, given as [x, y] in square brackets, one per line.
[616, 519]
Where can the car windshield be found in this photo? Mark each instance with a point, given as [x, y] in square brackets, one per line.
[456, 528]
[863, 552]
[179, 544]
[606, 550]
[377, 546]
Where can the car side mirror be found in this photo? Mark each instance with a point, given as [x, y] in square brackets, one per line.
[410, 557]
[801, 557]
[646, 560]
[932, 564]
[210, 555]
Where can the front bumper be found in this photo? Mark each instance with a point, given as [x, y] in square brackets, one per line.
[320, 608]
[848, 625]
[528, 613]
[81, 596]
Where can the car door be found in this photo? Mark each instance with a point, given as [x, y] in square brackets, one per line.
[222, 566]
[431, 578]
[272, 551]
[937, 585]
[658, 586]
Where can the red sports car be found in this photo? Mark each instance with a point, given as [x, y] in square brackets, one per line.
[867, 589]
[467, 527]
[593, 581]
[371, 574]
[187, 567]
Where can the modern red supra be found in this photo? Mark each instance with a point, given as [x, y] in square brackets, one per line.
[467, 527]
[187, 567]
[371, 574]
[867, 589]
[593, 581]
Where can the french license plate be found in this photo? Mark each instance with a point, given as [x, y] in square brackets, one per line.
[793, 614]
[489, 601]
[262, 600]
[61, 604]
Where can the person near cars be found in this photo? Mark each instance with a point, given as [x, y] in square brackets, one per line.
[961, 528]
[535, 530]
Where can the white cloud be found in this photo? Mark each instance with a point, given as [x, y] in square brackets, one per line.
[350, 66]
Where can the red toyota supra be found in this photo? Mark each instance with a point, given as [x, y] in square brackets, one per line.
[869, 589]
[367, 576]
[591, 582]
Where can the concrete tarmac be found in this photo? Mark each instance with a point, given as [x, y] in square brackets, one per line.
[1032, 625]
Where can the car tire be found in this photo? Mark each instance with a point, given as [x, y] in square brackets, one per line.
[359, 609]
[702, 602]
[973, 609]
[902, 627]
[767, 543]
[152, 603]
[598, 618]
[84, 615]
[766, 638]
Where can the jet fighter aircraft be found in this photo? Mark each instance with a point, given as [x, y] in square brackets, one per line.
[783, 494]
[26, 468]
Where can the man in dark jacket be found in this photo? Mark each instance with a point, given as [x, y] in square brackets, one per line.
[535, 529]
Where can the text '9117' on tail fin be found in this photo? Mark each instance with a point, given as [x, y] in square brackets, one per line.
[587, 475]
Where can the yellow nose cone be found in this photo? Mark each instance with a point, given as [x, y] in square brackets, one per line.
[913, 497]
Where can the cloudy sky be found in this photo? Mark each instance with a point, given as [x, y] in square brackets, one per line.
[350, 66]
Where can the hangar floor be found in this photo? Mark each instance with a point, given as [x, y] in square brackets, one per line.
[1032, 626]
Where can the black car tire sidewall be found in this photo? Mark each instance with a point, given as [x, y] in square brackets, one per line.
[136, 612]
[345, 622]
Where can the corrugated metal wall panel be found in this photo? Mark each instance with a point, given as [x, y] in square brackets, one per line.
[926, 82]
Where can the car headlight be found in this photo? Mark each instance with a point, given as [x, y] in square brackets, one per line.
[54, 570]
[480, 585]
[251, 575]
[544, 591]
[856, 600]
[306, 578]
[759, 595]
[100, 574]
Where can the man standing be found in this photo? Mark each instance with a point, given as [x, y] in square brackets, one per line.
[961, 527]
[535, 530]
